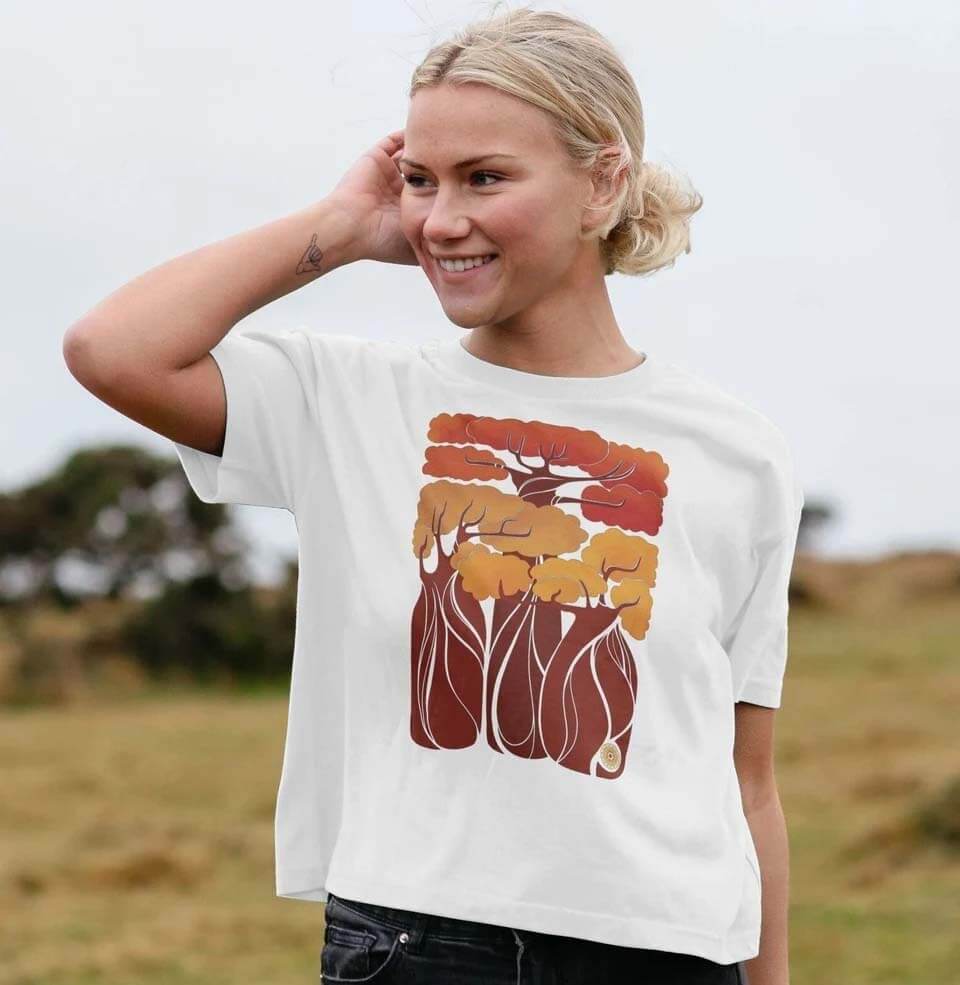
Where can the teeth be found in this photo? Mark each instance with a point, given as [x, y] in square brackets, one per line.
[467, 264]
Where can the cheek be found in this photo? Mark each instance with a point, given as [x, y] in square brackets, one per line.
[410, 220]
[411, 226]
[519, 225]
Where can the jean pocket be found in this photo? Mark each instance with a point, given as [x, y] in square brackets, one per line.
[357, 948]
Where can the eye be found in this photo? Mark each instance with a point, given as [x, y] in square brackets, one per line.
[411, 178]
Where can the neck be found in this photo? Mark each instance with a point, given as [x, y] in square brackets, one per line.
[558, 337]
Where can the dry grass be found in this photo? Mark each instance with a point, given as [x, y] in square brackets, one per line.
[137, 835]
[138, 846]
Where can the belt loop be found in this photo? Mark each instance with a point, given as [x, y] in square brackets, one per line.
[417, 931]
[520, 946]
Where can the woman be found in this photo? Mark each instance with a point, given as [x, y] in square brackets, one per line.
[542, 604]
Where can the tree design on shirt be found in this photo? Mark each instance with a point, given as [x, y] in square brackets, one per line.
[542, 688]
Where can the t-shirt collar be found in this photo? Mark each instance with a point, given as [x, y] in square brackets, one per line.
[449, 355]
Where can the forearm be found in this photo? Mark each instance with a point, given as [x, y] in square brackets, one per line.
[171, 315]
[769, 829]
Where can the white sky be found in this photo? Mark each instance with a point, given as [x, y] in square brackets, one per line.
[821, 287]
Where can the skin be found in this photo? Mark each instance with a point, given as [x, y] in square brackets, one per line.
[753, 755]
[543, 305]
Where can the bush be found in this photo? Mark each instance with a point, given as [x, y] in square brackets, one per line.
[205, 631]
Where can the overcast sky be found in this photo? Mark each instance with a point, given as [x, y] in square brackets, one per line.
[821, 287]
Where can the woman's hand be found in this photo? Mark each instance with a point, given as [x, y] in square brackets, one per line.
[370, 192]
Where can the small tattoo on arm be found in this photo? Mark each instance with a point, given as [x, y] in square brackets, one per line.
[310, 260]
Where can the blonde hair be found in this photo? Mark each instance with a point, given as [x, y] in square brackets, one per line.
[572, 72]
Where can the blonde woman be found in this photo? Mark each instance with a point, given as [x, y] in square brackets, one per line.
[541, 621]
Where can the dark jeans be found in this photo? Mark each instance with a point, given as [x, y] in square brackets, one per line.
[379, 944]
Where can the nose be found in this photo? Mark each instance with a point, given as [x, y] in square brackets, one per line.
[446, 220]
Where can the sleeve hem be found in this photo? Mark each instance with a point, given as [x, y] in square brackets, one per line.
[266, 415]
[758, 693]
[215, 480]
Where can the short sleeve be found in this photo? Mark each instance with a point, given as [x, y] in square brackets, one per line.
[756, 641]
[271, 387]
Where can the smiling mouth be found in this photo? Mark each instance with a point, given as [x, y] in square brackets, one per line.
[466, 274]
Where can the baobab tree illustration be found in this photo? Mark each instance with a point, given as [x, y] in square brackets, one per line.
[519, 629]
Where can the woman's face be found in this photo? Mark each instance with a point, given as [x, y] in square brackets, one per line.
[525, 204]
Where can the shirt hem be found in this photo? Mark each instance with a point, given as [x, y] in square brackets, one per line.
[469, 904]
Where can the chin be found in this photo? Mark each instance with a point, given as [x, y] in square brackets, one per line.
[467, 319]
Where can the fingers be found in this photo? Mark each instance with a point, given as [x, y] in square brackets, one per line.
[391, 144]
[395, 143]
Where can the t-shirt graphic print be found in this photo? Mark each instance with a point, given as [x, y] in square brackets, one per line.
[540, 574]
[511, 588]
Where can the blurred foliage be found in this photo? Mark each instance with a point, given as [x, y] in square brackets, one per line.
[211, 633]
[111, 566]
[815, 515]
[110, 521]
[937, 819]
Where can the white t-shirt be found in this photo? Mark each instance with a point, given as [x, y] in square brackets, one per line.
[526, 607]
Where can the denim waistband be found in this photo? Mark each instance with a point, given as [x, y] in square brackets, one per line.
[432, 924]
[420, 925]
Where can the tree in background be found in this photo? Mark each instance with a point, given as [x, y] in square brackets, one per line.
[112, 557]
[202, 631]
[815, 515]
[112, 521]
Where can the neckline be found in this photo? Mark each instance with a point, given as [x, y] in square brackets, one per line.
[450, 355]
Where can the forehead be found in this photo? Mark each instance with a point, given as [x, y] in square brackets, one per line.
[447, 123]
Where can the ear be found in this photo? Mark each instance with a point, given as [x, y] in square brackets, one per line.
[604, 189]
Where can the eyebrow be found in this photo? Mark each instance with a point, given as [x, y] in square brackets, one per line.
[460, 164]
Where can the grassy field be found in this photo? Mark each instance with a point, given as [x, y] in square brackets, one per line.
[137, 835]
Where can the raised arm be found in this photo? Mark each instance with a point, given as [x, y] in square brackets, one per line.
[145, 349]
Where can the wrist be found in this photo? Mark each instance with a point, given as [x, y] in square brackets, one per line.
[344, 227]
